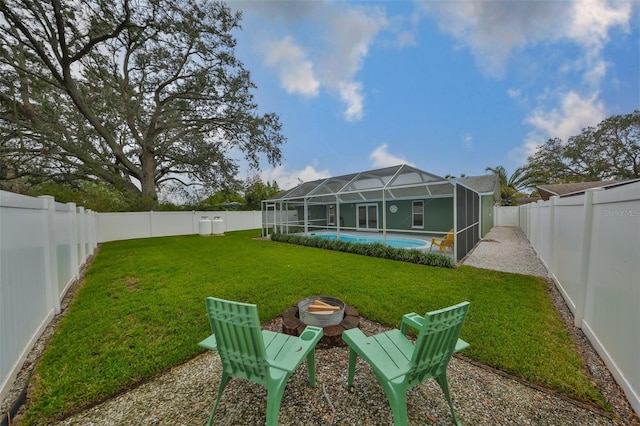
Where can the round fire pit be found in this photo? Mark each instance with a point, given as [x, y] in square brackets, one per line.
[321, 311]
[295, 319]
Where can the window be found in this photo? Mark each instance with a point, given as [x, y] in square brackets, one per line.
[331, 214]
[417, 212]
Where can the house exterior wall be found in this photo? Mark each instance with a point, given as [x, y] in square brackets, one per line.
[438, 214]
[486, 214]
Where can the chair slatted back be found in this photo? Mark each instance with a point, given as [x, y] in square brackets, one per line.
[436, 342]
[239, 339]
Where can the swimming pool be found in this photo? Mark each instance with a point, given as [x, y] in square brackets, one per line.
[398, 242]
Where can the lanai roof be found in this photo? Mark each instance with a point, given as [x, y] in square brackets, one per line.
[401, 181]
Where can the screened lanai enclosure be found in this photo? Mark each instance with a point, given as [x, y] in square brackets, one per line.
[399, 200]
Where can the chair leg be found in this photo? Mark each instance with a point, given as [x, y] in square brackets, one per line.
[352, 367]
[311, 366]
[444, 385]
[274, 399]
[398, 401]
[223, 383]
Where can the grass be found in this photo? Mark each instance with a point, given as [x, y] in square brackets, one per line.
[141, 310]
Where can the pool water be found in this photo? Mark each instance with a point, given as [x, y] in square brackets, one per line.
[398, 242]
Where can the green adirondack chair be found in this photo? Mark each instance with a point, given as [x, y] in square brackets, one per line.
[261, 356]
[399, 364]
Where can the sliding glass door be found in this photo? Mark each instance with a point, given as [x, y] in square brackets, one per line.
[367, 216]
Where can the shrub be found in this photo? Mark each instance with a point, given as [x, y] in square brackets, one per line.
[372, 250]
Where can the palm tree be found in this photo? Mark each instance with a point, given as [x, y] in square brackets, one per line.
[512, 187]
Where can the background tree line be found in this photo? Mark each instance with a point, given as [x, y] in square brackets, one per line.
[608, 151]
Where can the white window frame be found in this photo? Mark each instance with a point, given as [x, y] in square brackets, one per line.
[415, 215]
[331, 214]
[367, 205]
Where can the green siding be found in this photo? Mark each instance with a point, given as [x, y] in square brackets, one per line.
[348, 215]
[486, 214]
[438, 215]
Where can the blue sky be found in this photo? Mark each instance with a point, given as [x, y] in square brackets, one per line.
[448, 87]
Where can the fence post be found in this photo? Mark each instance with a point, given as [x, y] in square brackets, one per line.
[75, 264]
[551, 265]
[51, 256]
[91, 231]
[82, 255]
[586, 253]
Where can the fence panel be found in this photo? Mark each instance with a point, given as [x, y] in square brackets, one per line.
[40, 242]
[24, 267]
[125, 226]
[591, 246]
[611, 314]
[568, 239]
[164, 224]
[507, 216]
[543, 237]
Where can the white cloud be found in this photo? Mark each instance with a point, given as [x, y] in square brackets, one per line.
[292, 66]
[591, 21]
[575, 113]
[328, 54]
[467, 140]
[348, 34]
[381, 157]
[288, 179]
[493, 29]
[528, 147]
[351, 94]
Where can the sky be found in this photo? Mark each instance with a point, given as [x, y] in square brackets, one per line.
[450, 87]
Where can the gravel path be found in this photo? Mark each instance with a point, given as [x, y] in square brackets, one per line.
[506, 249]
[482, 396]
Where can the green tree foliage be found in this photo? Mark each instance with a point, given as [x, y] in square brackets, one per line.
[611, 150]
[222, 200]
[513, 187]
[257, 191]
[89, 195]
[129, 95]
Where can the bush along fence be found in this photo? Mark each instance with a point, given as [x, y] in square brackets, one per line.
[366, 249]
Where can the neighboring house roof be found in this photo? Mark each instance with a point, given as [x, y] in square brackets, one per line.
[569, 189]
[484, 185]
[527, 200]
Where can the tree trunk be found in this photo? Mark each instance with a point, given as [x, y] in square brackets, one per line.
[148, 181]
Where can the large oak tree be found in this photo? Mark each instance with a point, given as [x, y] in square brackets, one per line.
[127, 93]
[610, 150]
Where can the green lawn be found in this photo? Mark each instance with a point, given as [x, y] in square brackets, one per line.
[141, 310]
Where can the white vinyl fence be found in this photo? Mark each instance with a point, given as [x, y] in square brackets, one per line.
[126, 226]
[43, 244]
[591, 246]
[506, 216]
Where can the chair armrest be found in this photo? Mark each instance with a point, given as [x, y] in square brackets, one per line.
[412, 319]
[209, 343]
[299, 350]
